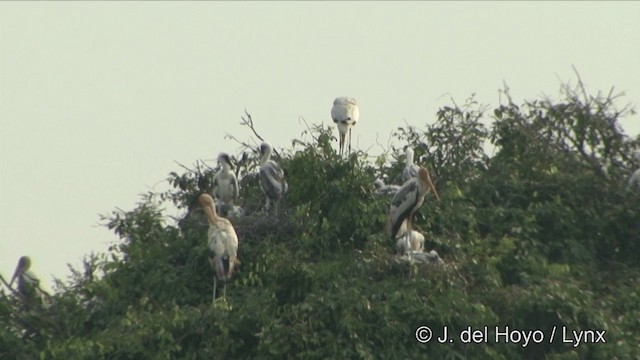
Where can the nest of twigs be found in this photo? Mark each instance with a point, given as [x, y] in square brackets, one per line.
[251, 228]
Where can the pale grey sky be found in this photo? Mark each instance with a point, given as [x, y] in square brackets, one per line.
[98, 99]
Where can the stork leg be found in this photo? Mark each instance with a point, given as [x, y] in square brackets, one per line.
[408, 234]
[215, 283]
[224, 290]
[267, 205]
[349, 143]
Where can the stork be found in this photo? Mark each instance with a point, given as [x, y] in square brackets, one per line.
[223, 244]
[430, 257]
[406, 202]
[272, 177]
[416, 241]
[225, 183]
[345, 114]
[383, 189]
[410, 169]
[28, 283]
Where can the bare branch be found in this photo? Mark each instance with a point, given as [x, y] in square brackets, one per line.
[581, 85]
[207, 166]
[248, 121]
[184, 167]
[301, 118]
[7, 285]
[245, 145]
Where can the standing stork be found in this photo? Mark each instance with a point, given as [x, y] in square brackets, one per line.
[28, 284]
[225, 183]
[345, 114]
[406, 202]
[223, 244]
[410, 169]
[272, 180]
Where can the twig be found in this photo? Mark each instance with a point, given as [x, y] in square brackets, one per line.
[7, 285]
[249, 122]
[301, 118]
[184, 167]
[231, 137]
[581, 85]
[207, 166]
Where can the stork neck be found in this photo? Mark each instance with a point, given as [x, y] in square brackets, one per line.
[211, 214]
[265, 157]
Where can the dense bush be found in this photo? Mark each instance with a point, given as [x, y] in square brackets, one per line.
[540, 233]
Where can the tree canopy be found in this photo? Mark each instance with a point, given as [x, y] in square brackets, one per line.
[540, 233]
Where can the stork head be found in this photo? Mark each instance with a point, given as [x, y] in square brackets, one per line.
[424, 177]
[225, 159]
[434, 257]
[265, 151]
[265, 148]
[23, 265]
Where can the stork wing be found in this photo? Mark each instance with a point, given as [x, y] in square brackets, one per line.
[402, 204]
[402, 195]
[216, 185]
[235, 187]
[272, 180]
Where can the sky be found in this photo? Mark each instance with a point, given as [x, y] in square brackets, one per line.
[99, 100]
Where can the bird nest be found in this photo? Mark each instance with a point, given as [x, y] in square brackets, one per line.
[250, 228]
[256, 227]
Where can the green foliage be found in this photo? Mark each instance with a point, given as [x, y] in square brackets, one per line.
[542, 233]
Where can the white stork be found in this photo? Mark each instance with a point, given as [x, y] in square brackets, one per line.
[383, 189]
[230, 211]
[271, 177]
[223, 244]
[410, 169]
[225, 183]
[28, 283]
[407, 201]
[345, 114]
[430, 257]
[416, 241]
